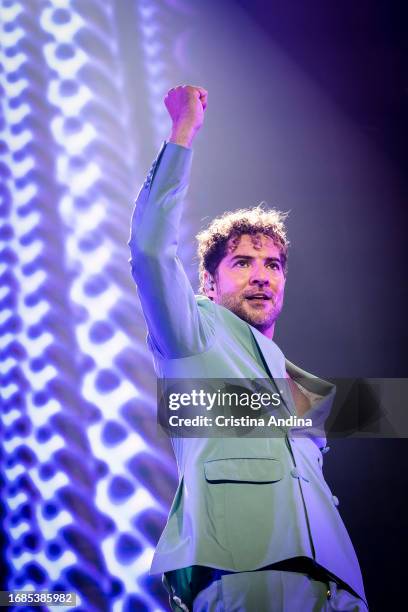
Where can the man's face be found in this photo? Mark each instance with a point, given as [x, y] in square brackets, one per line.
[250, 281]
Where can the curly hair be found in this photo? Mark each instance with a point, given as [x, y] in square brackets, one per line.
[213, 241]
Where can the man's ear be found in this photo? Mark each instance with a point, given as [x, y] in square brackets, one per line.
[209, 285]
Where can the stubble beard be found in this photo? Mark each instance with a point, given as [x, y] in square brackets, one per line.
[259, 319]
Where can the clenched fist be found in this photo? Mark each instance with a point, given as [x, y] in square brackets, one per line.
[186, 105]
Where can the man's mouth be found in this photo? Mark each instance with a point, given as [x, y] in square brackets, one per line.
[258, 297]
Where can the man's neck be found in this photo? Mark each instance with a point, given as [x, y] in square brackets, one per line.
[268, 332]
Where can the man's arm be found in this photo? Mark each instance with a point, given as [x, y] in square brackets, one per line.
[167, 298]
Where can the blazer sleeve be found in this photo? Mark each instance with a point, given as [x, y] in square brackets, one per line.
[175, 326]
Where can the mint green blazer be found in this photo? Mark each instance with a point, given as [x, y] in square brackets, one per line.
[241, 503]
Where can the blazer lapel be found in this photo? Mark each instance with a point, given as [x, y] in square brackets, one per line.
[279, 368]
[275, 364]
[321, 407]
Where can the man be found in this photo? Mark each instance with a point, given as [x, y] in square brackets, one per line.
[253, 525]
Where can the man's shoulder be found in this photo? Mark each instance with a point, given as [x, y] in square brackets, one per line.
[204, 302]
[207, 309]
[219, 313]
[223, 321]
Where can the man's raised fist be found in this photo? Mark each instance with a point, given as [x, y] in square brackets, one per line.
[186, 105]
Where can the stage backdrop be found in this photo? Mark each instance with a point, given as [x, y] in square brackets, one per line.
[86, 477]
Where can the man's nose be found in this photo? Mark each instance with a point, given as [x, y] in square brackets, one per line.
[260, 276]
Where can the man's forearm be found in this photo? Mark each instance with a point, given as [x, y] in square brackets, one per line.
[159, 205]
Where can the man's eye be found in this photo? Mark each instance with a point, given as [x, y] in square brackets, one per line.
[274, 265]
[241, 263]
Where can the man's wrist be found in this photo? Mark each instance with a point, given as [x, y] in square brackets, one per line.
[183, 135]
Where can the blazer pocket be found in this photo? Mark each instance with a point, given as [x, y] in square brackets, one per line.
[251, 470]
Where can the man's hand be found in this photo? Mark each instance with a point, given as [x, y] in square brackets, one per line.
[186, 105]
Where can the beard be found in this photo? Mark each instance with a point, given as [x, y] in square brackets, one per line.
[258, 316]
